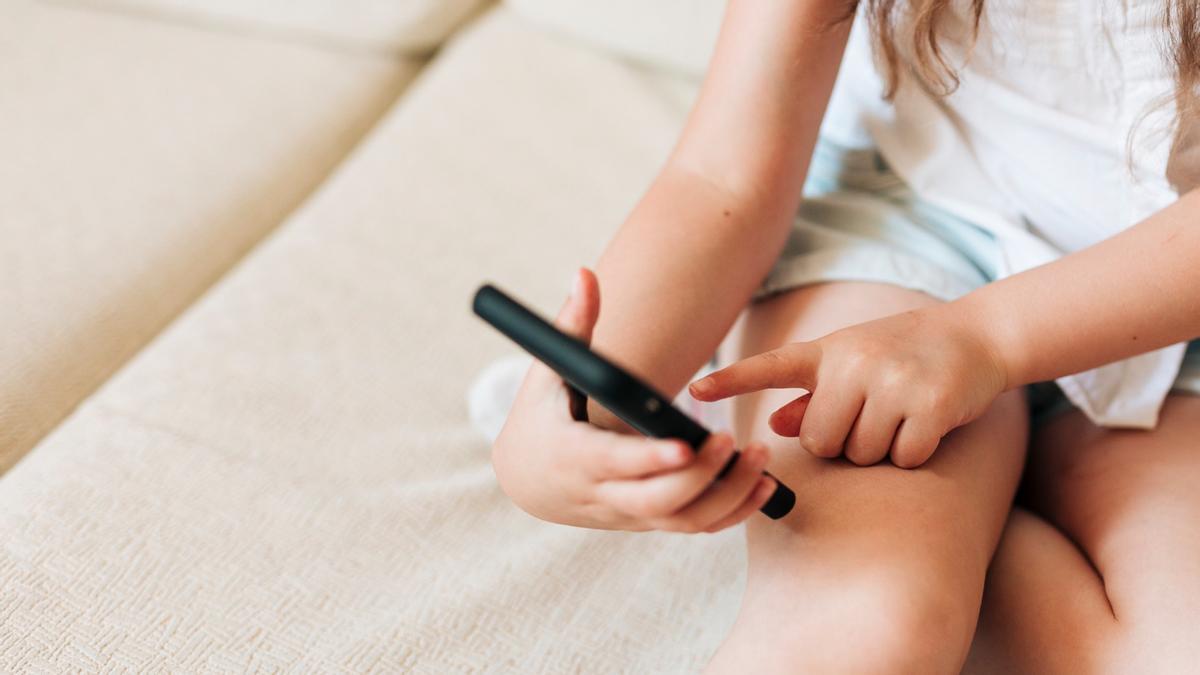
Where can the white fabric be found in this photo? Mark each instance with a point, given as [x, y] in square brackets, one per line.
[492, 392]
[411, 27]
[286, 478]
[1032, 147]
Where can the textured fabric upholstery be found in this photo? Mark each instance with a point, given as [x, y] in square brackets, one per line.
[412, 27]
[286, 478]
[138, 161]
[676, 35]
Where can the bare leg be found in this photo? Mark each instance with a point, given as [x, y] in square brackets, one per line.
[878, 569]
[1130, 594]
[1044, 607]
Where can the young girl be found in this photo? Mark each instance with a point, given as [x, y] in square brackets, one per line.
[1001, 195]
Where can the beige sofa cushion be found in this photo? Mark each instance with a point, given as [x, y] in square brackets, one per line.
[677, 35]
[286, 478]
[138, 161]
[406, 26]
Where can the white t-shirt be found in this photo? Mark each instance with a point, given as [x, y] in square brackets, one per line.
[1032, 146]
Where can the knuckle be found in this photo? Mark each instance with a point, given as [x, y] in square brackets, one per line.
[783, 361]
[857, 361]
[717, 458]
[897, 377]
[933, 424]
[860, 454]
[772, 358]
[937, 399]
[609, 462]
[644, 506]
[940, 399]
[819, 444]
[912, 454]
[747, 461]
[759, 458]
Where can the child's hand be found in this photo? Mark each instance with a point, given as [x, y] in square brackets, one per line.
[575, 473]
[894, 386]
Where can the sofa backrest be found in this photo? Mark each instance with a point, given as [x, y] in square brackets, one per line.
[673, 34]
[409, 27]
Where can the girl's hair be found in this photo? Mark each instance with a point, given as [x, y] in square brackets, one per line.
[1181, 21]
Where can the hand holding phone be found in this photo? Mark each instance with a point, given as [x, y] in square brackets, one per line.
[590, 374]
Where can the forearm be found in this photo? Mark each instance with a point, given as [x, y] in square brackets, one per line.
[1133, 293]
[676, 275]
[686, 262]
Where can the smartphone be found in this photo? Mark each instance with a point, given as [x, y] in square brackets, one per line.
[592, 375]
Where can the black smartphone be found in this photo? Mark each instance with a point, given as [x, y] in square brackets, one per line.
[626, 396]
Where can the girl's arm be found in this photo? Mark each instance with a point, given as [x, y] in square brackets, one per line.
[928, 371]
[701, 240]
[1129, 294]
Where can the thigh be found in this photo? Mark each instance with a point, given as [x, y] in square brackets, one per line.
[872, 556]
[1044, 608]
[1130, 501]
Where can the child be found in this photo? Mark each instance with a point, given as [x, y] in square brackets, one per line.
[1001, 195]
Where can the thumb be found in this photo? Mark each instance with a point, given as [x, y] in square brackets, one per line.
[577, 318]
[581, 310]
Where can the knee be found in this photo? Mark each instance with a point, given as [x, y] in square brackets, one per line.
[904, 623]
[880, 621]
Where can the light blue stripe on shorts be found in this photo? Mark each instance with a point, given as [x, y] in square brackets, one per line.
[861, 222]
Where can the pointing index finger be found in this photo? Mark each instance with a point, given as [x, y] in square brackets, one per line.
[790, 366]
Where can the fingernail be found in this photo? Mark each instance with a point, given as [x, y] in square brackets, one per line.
[702, 386]
[579, 275]
[766, 487]
[807, 442]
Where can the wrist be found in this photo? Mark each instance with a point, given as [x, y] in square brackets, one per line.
[982, 327]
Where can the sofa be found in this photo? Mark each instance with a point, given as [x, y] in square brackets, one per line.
[238, 242]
